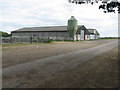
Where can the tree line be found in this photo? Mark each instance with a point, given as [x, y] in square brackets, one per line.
[4, 34]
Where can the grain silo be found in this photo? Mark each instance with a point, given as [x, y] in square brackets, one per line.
[72, 27]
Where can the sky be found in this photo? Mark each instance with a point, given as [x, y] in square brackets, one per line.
[15, 14]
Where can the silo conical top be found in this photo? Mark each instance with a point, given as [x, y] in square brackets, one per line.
[72, 18]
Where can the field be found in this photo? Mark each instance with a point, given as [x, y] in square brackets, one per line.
[100, 71]
[18, 53]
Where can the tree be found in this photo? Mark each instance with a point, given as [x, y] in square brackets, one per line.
[107, 5]
[4, 34]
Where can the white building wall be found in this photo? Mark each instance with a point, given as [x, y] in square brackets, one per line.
[92, 37]
[87, 37]
[78, 37]
[97, 36]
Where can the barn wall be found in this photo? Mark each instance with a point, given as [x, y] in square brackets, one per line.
[97, 36]
[87, 37]
[25, 36]
[42, 35]
[78, 37]
[92, 36]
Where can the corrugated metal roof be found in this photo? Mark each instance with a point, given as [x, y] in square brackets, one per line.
[91, 30]
[49, 28]
[54, 28]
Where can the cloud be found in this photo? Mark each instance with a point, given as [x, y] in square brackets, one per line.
[29, 13]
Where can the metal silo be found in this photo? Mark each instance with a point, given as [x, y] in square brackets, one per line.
[72, 27]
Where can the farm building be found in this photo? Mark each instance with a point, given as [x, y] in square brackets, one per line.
[70, 32]
[94, 34]
[53, 32]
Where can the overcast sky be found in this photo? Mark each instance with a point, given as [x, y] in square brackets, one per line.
[15, 14]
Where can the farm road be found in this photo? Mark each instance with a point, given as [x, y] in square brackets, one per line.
[58, 63]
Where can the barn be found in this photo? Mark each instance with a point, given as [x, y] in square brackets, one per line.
[94, 34]
[70, 32]
[52, 32]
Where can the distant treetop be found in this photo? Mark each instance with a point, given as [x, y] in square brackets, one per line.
[107, 5]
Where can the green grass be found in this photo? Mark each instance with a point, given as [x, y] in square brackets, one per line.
[100, 39]
[108, 38]
[64, 41]
[22, 44]
[50, 42]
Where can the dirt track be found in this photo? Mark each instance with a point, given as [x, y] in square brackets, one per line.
[20, 54]
[59, 63]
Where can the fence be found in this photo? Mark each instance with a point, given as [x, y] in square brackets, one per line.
[5, 40]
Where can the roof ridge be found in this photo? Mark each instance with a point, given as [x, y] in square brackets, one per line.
[47, 26]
